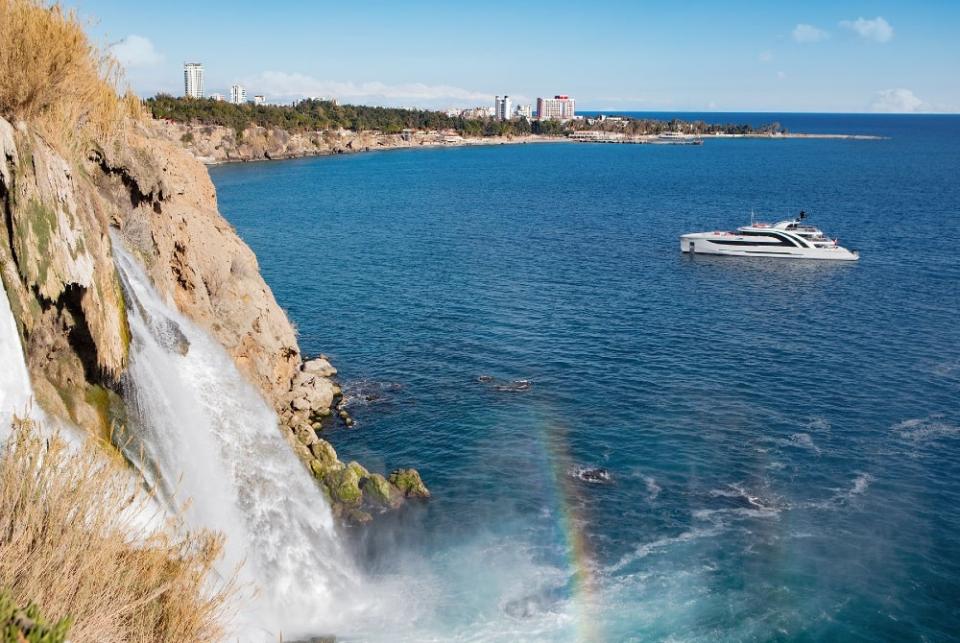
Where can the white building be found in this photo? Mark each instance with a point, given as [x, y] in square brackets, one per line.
[561, 108]
[501, 108]
[524, 111]
[217, 96]
[259, 100]
[238, 95]
[193, 80]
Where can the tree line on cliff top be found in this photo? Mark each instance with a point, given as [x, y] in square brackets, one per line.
[312, 115]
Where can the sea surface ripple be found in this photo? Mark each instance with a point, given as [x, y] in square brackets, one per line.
[781, 437]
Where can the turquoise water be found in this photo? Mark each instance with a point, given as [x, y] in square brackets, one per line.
[782, 437]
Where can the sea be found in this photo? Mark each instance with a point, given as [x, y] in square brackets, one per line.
[624, 442]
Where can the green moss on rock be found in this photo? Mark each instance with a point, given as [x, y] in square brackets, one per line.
[409, 483]
[344, 486]
[324, 452]
[24, 625]
[380, 493]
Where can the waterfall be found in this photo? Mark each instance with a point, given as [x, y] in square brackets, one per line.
[16, 394]
[203, 434]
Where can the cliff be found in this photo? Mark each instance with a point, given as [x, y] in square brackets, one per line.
[57, 265]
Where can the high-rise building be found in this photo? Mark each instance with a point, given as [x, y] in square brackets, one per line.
[193, 80]
[259, 100]
[523, 111]
[501, 108]
[238, 94]
[561, 107]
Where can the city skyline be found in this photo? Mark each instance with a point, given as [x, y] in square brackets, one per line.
[742, 57]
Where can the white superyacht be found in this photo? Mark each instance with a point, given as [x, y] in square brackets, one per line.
[788, 239]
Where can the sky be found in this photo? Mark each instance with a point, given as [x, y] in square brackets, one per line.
[610, 55]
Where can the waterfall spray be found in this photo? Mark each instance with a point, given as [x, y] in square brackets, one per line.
[208, 437]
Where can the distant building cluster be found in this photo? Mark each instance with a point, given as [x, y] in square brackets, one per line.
[561, 108]
[193, 87]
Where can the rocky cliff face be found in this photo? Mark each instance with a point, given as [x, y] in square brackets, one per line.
[56, 263]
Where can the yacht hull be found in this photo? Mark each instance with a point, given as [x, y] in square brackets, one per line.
[723, 245]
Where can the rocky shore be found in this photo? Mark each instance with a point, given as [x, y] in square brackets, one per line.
[213, 144]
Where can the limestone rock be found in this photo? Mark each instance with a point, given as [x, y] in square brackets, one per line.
[57, 267]
[344, 486]
[166, 209]
[378, 492]
[319, 366]
[409, 483]
[324, 452]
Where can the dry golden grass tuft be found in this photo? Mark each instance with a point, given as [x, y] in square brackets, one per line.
[72, 541]
[54, 78]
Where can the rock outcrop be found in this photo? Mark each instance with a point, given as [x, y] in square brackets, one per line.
[56, 263]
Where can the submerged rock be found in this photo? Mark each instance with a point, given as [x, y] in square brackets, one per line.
[409, 483]
[593, 475]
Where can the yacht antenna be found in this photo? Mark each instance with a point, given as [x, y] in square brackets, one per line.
[751, 217]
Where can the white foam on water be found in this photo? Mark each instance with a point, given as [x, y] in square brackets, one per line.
[656, 546]
[206, 437]
[653, 489]
[926, 429]
[16, 392]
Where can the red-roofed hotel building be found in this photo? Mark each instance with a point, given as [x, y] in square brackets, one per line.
[560, 107]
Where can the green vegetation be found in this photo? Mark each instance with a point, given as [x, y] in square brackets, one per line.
[305, 116]
[24, 625]
[317, 115]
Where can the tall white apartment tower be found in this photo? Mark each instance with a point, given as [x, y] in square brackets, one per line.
[238, 94]
[193, 80]
[501, 108]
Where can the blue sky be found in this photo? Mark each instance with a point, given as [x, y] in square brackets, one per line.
[732, 56]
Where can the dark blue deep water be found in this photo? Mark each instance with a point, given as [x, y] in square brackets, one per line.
[783, 437]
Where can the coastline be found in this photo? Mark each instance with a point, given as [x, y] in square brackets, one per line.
[218, 145]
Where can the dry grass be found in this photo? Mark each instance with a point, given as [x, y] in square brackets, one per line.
[70, 542]
[54, 78]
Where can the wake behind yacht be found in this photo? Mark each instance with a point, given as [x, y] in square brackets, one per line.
[788, 239]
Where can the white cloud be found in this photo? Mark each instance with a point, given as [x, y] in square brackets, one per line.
[280, 85]
[896, 100]
[766, 56]
[808, 33]
[781, 75]
[878, 29]
[136, 51]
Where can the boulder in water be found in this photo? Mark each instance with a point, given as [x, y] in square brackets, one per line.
[319, 366]
[409, 483]
[380, 493]
[344, 486]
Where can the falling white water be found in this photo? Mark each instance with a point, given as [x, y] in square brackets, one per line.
[208, 437]
[16, 394]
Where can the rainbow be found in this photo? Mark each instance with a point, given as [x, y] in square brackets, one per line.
[571, 518]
